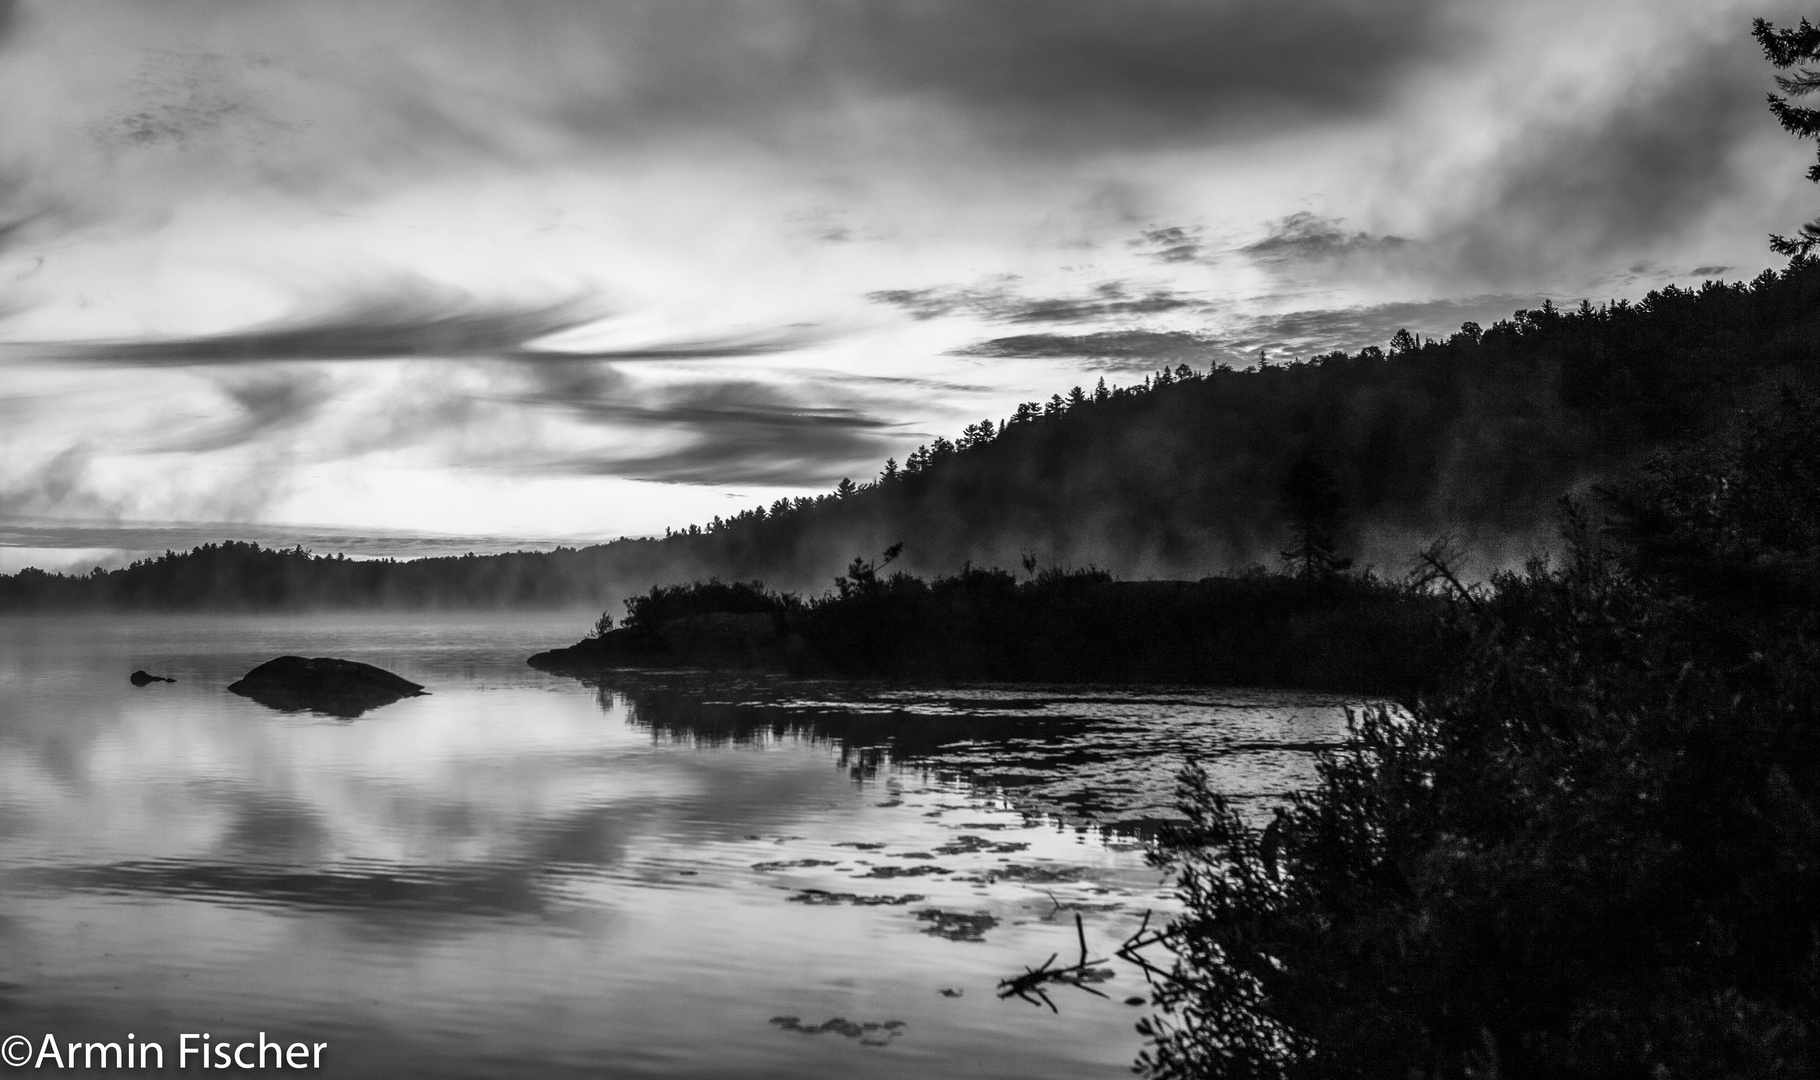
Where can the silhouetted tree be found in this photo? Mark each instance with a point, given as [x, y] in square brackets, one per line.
[1316, 509]
[862, 576]
[1790, 49]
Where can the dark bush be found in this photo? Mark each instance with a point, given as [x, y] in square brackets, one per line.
[666, 602]
[1596, 853]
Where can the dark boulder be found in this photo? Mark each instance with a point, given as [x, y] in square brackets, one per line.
[324, 684]
[141, 678]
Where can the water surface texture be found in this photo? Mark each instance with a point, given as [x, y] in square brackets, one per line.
[525, 874]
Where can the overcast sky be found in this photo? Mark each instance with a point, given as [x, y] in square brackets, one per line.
[395, 277]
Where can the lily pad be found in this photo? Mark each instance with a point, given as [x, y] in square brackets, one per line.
[957, 925]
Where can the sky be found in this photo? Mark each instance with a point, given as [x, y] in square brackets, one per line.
[411, 278]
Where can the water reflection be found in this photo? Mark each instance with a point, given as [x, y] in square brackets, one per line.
[1107, 757]
[528, 875]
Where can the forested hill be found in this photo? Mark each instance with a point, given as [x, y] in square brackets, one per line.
[1180, 476]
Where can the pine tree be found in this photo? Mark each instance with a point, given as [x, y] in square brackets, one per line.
[1316, 509]
[1790, 49]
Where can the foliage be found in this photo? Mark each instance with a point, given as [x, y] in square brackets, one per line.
[1073, 625]
[1594, 854]
[1790, 48]
[667, 602]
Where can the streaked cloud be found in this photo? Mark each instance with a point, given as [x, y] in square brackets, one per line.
[1136, 349]
[265, 402]
[1305, 237]
[400, 318]
[1004, 304]
[712, 430]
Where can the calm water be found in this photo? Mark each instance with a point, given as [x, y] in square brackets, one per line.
[528, 875]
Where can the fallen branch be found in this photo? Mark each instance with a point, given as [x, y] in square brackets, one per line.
[1029, 985]
[1131, 951]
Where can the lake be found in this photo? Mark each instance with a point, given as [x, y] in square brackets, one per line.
[522, 874]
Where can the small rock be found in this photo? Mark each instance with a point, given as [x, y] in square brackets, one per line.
[141, 678]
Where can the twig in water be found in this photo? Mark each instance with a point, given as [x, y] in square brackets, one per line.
[1132, 951]
[1029, 985]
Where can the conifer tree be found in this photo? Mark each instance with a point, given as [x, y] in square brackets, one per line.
[1791, 49]
[1316, 509]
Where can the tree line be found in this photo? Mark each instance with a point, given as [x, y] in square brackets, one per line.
[1177, 476]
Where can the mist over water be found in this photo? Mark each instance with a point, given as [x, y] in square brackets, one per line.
[525, 874]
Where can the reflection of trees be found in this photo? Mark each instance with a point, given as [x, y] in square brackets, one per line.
[865, 735]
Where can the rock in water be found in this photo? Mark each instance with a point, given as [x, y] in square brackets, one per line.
[141, 678]
[337, 687]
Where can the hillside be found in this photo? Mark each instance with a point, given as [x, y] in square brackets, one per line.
[1177, 477]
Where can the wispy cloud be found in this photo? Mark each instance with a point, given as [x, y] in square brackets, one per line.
[1307, 237]
[1170, 243]
[1003, 304]
[265, 403]
[1136, 349]
[400, 318]
[58, 485]
[759, 342]
[1640, 160]
[719, 431]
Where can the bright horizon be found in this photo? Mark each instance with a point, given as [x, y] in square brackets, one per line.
[391, 282]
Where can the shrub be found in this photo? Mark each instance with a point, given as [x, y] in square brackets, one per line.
[1595, 853]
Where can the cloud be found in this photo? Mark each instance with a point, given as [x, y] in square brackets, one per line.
[1625, 170]
[1063, 76]
[1170, 244]
[1135, 349]
[403, 318]
[60, 484]
[1084, 72]
[145, 106]
[713, 347]
[411, 317]
[723, 431]
[1000, 304]
[1307, 237]
[266, 402]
